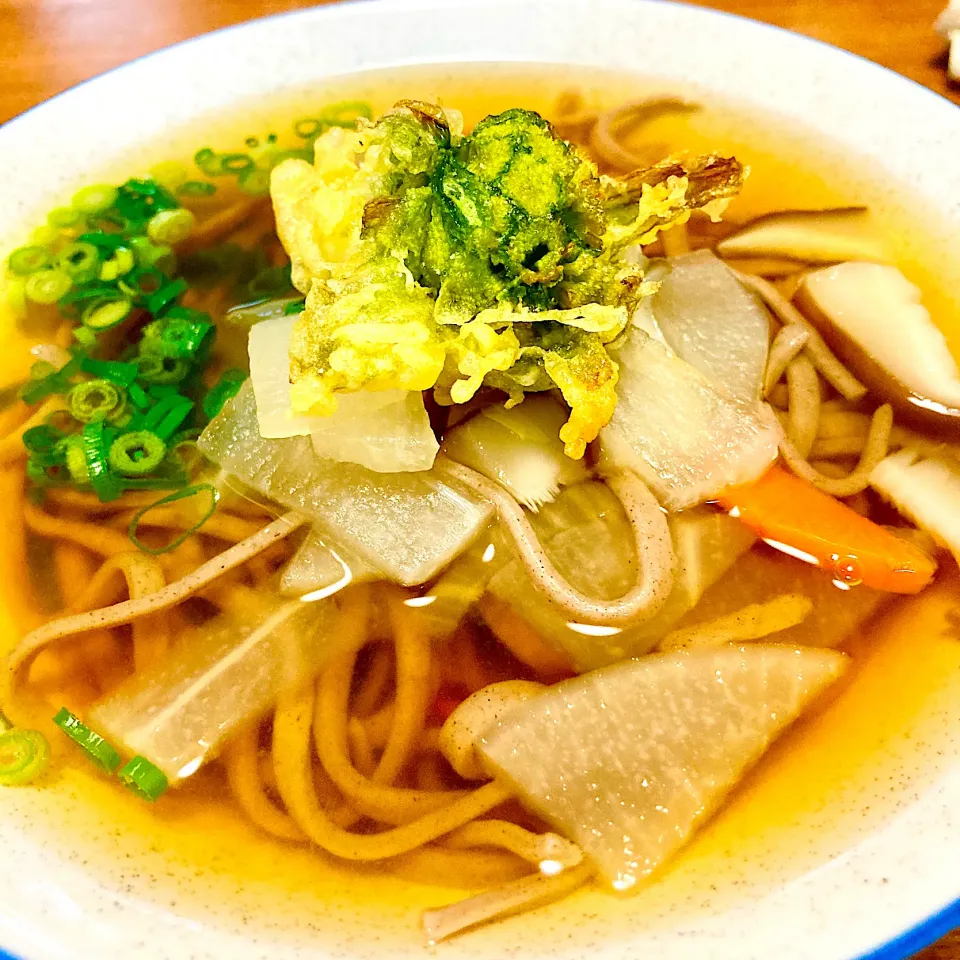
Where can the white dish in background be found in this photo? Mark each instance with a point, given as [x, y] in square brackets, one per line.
[882, 887]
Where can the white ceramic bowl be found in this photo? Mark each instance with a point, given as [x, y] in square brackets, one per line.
[882, 887]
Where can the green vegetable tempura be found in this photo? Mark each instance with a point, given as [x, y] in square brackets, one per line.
[434, 260]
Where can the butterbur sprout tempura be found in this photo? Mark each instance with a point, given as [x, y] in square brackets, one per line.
[425, 480]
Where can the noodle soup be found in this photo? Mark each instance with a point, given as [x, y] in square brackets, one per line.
[375, 612]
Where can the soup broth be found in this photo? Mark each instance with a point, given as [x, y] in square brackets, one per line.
[838, 771]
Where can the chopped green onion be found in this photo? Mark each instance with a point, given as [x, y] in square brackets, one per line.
[47, 286]
[89, 291]
[103, 241]
[143, 282]
[255, 182]
[102, 316]
[57, 381]
[150, 254]
[95, 439]
[167, 415]
[137, 453]
[24, 756]
[144, 779]
[223, 390]
[93, 745]
[296, 307]
[139, 200]
[120, 264]
[80, 260]
[196, 188]
[63, 217]
[96, 400]
[27, 260]
[43, 445]
[171, 226]
[84, 336]
[75, 459]
[95, 199]
[137, 395]
[166, 296]
[156, 368]
[122, 374]
[191, 491]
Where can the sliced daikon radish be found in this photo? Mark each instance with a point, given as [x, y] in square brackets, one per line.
[629, 760]
[872, 318]
[809, 236]
[687, 438]
[217, 678]
[927, 491]
[713, 323]
[409, 525]
[317, 566]
[518, 448]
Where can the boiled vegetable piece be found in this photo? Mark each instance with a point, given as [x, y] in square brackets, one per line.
[629, 760]
[764, 573]
[925, 490]
[518, 448]
[808, 236]
[385, 430]
[586, 534]
[871, 316]
[793, 514]
[713, 323]
[686, 438]
[220, 676]
[317, 566]
[409, 525]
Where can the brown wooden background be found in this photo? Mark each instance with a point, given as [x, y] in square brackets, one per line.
[49, 45]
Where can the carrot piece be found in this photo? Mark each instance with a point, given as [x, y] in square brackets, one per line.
[793, 514]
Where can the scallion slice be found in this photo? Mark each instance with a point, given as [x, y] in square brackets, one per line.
[64, 217]
[102, 316]
[95, 440]
[95, 199]
[193, 490]
[144, 779]
[101, 753]
[24, 756]
[27, 260]
[137, 453]
[223, 390]
[47, 286]
[170, 227]
[96, 400]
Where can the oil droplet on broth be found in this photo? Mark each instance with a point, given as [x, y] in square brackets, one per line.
[846, 571]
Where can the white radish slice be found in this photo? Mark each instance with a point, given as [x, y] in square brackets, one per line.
[872, 317]
[686, 438]
[927, 491]
[808, 236]
[319, 566]
[629, 760]
[409, 525]
[712, 322]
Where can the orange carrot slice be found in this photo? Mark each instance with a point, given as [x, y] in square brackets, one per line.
[793, 515]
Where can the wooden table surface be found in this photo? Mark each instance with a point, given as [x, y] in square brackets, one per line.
[49, 45]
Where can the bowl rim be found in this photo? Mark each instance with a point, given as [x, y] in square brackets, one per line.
[947, 918]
